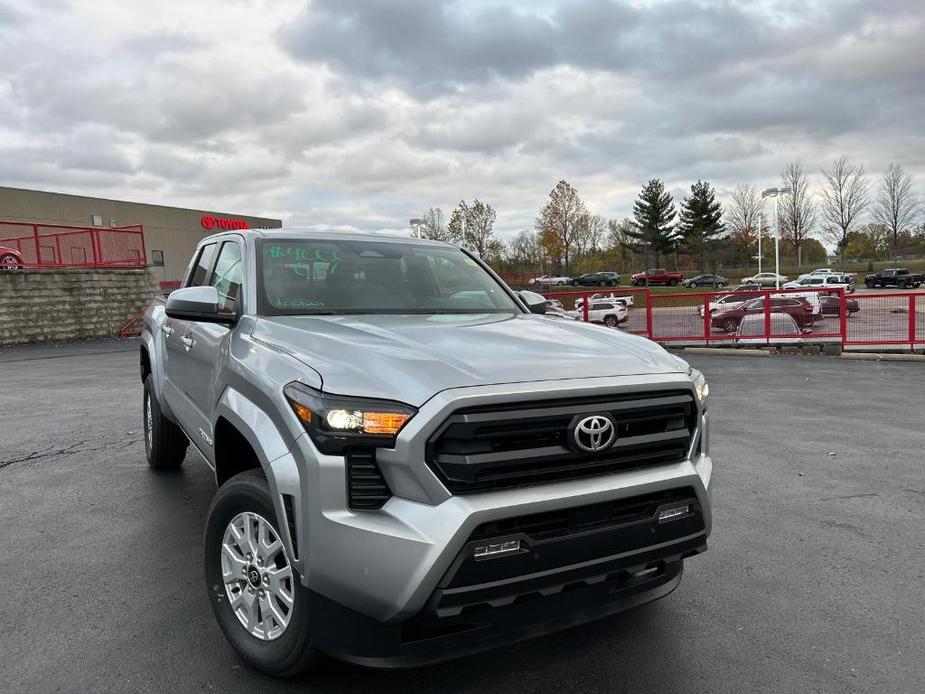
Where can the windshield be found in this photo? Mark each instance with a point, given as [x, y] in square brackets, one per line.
[301, 276]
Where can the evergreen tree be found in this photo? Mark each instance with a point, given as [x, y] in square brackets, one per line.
[654, 214]
[701, 220]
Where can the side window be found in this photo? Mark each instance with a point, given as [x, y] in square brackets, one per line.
[227, 276]
[200, 274]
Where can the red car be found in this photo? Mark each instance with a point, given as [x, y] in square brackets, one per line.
[657, 276]
[10, 258]
[799, 308]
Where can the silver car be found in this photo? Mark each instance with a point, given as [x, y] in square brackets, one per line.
[406, 471]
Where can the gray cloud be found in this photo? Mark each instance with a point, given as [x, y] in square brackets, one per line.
[364, 113]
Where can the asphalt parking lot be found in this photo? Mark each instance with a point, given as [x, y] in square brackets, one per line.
[813, 581]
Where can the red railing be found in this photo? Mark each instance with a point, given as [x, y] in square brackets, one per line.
[60, 246]
[855, 321]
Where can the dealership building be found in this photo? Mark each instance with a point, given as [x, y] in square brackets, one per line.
[170, 233]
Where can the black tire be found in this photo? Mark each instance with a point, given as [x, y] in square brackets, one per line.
[165, 443]
[901, 284]
[9, 262]
[870, 284]
[610, 321]
[560, 283]
[290, 653]
[916, 285]
[720, 285]
[730, 325]
[574, 283]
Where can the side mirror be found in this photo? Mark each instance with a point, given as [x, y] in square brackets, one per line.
[536, 303]
[196, 304]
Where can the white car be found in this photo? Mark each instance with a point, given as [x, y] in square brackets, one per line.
[819, 272]
[821, 281]
[813, 298]
[729, 301]
[610, 313]
[625, 300]
[765, 279]
[557, 280]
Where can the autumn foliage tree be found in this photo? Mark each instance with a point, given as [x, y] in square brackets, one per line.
[562, 223]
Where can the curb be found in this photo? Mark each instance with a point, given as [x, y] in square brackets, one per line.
[728, 350]
[886, 356]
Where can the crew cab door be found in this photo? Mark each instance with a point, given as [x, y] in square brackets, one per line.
[196, 348]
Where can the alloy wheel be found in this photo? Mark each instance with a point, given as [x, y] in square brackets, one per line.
[257, 575]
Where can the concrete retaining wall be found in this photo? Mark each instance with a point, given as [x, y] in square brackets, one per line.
[41, 305]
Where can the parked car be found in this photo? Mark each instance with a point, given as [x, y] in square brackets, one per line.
[10, 258]
[751, 330]
[831, 304]
[657, 276]
[765, 279]
[362, 509]
[717, 281]
[894, 277]
[730, 301]
[557, 280]
[820, 272]
[610, 313]
[798, 307]
[596, 279]
[625, 300]
[820, 281]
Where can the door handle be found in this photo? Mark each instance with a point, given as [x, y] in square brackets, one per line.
[167, 330]
[187, 342]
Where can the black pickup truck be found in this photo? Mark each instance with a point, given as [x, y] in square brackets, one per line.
[894, 277]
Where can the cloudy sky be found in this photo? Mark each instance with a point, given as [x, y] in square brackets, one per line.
[363, 113]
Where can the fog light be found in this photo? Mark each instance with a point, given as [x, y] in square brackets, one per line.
[497, 548]
[671, 512]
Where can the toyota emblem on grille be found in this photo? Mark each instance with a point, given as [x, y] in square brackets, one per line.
[594, 433]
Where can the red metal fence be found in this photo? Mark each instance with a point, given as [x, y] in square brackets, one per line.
[58, 245]
[858, 321]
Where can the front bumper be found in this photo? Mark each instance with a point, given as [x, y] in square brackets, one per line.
[385, 566]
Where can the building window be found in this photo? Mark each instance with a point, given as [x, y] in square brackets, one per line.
[157, 258]
[96, 220]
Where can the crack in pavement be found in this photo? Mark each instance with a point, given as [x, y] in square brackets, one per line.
[68, 451]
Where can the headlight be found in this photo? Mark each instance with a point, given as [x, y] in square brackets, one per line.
[334, 421]
[701, 387]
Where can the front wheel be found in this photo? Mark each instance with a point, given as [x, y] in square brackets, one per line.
[901, 284]
[720, 285]
[257, 596]
[730, 325]
[560, 283]
[870, 284]
[165, 443]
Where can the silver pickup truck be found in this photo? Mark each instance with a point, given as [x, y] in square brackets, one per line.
[412, 462]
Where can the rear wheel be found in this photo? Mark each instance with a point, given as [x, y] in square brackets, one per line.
[902, 284]
[9, 262]
[720, 285]
[165, 443]
[870, 284]
[730, 325]
[602, 283]
[610, 321]
[257, 596]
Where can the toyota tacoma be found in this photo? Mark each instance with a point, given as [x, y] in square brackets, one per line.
[405, 471]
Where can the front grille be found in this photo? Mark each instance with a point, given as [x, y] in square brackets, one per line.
[528, 443]
[366, 488]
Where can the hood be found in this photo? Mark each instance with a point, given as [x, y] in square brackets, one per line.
[411, 358]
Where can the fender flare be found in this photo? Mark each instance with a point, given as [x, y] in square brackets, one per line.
[276, 460]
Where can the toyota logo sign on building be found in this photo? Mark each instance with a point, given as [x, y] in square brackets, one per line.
[209, 222]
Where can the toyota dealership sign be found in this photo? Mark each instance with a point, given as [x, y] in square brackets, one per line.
[209, 222]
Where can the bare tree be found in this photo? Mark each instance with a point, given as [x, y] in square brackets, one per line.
[621, 240]
[743, 215]
[844, 199]
[590, 239]
[435, 226]
[523, 250]
[897, 206]
[796, 211]
[473, 224]
[560, 221]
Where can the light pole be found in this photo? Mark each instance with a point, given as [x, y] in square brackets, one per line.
[416, 224]
[776, 193]
[760, 225]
